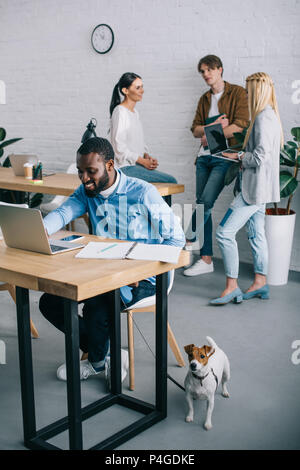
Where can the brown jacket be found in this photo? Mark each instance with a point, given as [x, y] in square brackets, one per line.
[233, 103]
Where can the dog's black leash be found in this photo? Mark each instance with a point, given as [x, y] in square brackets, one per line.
[168, 376]
[176, 383]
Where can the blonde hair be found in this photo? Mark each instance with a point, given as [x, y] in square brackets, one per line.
[261, 92]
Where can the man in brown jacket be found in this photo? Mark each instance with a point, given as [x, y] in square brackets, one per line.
[225, 104]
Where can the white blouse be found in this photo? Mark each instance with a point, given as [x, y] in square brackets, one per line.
[127, 136]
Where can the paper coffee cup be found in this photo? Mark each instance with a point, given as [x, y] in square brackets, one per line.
[28, 170]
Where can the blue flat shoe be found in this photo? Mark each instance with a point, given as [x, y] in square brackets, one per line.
[236, 295]
[263, 293]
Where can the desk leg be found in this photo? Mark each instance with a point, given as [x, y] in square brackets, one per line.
[73, 380]
[161, 342]
[25, 359]
[168, 199]
[115, 342]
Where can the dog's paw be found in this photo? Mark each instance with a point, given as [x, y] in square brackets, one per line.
[207, 426]
[189, 419]
[225, 394]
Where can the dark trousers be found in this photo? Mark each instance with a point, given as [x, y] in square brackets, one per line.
[210, 175]
[94, 323]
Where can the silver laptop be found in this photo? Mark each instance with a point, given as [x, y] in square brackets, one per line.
[217, 143]
[23, 228]
[18, 161]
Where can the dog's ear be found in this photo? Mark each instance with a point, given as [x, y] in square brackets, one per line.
[207, 349]
[189, 348]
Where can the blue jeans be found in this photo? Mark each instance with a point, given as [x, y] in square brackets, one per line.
[210, 175]
[239, 214]
[152, 176]
[94, 324]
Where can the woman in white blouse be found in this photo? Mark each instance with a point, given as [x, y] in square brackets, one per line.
[127, 136]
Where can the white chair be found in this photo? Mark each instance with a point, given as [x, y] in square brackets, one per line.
[58, 200]
[148, 305]
[10, 287]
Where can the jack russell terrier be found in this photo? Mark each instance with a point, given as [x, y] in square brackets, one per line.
[208, 367]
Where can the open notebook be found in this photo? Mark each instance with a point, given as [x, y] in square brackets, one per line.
[130, 250]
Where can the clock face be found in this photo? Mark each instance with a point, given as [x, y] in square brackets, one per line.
[102, 38]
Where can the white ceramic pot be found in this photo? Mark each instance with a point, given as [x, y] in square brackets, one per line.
[279, 233]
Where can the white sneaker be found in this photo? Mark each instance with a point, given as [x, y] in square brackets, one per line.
[86, 370]
[200, 267]
[124, 366]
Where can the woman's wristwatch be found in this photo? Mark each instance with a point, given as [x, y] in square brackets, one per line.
[239, 155]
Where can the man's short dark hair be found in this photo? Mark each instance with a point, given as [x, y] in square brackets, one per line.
[97, 145]
[211, 61]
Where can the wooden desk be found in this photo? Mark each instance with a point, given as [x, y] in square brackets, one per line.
[76, 280]
[65, 184]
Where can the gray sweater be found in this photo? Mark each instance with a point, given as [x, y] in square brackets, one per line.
[260, 180]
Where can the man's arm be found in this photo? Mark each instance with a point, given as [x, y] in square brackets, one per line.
[71, 209]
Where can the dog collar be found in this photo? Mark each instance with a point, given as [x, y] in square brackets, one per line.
[200, 378]
[204, 377]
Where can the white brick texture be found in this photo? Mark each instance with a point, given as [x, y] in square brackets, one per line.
[55, 81]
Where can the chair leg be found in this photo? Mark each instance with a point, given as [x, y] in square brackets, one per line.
[130, 349]
[34, 331]
[174, 346]
[12, 290]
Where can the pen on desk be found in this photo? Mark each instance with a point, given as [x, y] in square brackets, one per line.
[108, 247]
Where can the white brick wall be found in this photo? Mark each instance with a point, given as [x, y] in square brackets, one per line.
[55, 82]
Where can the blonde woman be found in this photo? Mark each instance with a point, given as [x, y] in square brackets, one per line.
[259, 184]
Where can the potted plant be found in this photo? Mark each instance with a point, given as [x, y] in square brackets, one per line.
[14, 196]
[280, 221]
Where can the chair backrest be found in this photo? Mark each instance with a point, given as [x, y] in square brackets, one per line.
[149, 301]
[9, 204]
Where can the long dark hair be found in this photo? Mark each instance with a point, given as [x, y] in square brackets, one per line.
[125, 81]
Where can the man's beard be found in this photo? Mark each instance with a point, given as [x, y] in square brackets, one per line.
[99, 187]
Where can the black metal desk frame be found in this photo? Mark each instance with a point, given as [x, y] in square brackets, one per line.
[37, 439]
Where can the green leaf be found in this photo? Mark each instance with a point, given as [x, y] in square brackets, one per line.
[9, 142]
[1, 152]
[288, 184]
[291, 143]
[285, 159]
[6, 163]
[2, 133]
[296, 133]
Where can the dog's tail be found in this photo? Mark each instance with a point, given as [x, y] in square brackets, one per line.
[211, 342]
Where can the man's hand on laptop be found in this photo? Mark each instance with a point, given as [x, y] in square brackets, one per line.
[222, 120]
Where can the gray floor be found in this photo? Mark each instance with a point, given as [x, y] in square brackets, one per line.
[263, 411]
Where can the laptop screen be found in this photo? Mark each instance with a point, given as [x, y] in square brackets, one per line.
[215, 138]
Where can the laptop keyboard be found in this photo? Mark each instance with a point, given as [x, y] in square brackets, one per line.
[55, 248]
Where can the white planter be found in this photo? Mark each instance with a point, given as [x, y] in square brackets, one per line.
[279, 233]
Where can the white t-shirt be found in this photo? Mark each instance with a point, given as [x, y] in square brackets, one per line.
[213, 111]
[127, 136]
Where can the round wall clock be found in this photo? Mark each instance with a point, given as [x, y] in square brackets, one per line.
[102, 38]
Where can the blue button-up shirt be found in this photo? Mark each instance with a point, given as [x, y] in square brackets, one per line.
[135, 211]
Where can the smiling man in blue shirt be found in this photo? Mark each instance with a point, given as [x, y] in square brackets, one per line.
[119, 207]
